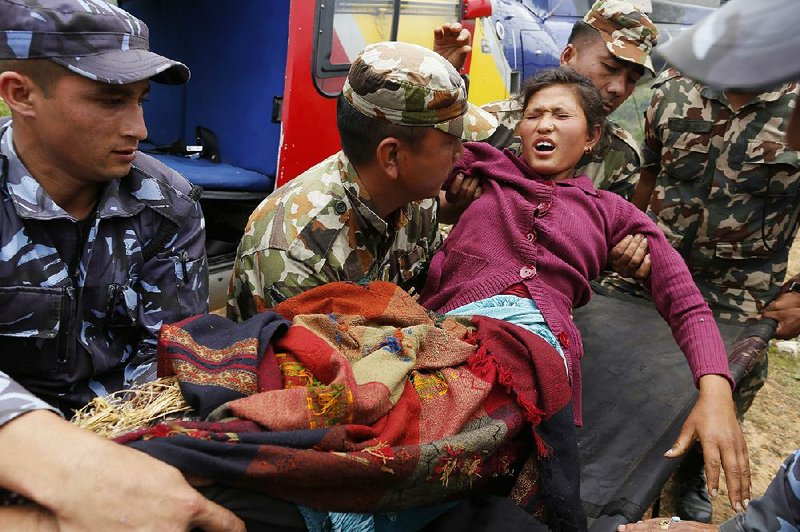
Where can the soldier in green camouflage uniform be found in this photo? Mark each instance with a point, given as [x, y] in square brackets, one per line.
[726, 188]
[611, 46]
[357, 217]
[725, 195]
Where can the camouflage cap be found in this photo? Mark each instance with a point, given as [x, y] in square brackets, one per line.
[629, 34]
[92, 38]
[742, 45]
[410, 85]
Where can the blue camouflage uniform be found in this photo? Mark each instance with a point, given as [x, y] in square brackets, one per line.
[779, 509]
[80, 306]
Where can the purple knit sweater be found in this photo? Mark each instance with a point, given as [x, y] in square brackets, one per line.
[555, 237]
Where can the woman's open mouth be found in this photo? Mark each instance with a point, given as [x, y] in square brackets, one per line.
[544, 146]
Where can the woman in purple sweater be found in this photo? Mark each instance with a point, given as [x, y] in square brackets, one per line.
[527, 248]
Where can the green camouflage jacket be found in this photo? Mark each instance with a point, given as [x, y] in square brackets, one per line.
[727, 186]
[617, 172]
[321, 227]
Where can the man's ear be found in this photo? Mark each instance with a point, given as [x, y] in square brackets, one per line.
[17, 91]
[387, 155]
[568, 54]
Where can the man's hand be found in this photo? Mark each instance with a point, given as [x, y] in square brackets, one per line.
[630, 257]
[451, 41]
[712, 421]
[786, 311]
[90, 483]
[659, 524]
[458, 196]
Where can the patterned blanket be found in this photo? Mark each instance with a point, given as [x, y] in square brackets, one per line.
[369, 403]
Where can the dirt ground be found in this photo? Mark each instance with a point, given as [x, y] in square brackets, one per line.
[771, 426]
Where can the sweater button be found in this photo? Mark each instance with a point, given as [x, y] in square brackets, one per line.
[526, 272]
[563, 339]
[531, 237]
[340, 207]
[542, 208]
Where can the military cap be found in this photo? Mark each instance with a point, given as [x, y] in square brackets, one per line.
[628, 33]
[742, 45]
[91, 38]
[409, 85]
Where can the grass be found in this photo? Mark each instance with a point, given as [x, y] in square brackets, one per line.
[4, 109]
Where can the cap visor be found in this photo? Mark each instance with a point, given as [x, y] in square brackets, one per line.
[127, 66]
[742, 45]
[474, 125]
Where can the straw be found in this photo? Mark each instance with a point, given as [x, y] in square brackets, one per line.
[126, 410]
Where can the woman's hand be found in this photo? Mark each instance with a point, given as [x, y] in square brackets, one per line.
[713, 423]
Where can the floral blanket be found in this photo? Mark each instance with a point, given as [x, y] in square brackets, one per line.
[355, 398]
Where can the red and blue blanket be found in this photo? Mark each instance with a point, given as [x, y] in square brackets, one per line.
[355, 398]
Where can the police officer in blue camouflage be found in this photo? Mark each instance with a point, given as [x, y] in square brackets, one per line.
[99, 246]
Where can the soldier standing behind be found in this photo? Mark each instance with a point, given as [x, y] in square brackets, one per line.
[726, 178]
[367, 212]
[724, 187]
[99, 244]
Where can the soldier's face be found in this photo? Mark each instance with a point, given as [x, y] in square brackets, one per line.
[87, 131]
[613, 77]
[554, 132]
[425, 168]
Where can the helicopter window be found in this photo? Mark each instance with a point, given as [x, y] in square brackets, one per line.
[345, 27]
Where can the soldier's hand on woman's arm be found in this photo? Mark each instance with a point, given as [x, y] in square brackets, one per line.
[713, 423]
[631, 257]
[451, 41]
[458, 196]
[90, 483]
[785, 309]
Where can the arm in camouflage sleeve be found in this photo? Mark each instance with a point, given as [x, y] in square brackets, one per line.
[508, 114]
[15, 400]
[614, 164]
[172, 286]
[651, 154]
[778, 509]
[263, 278]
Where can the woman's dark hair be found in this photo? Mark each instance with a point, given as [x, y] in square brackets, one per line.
[360, 134]
[588, 96]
